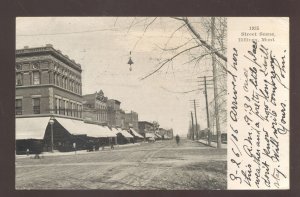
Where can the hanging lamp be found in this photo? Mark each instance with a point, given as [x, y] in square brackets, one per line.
[130, 61]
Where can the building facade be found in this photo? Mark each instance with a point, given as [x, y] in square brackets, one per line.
[47, 83]
[114, 113]
[132, 120]
[166, 133]
[145, 127]
[95, 108]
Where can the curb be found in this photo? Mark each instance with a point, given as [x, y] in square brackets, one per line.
[206, 144]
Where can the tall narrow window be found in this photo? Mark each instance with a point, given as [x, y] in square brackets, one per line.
[58, 80]
[61, 107]
[36, 78]
[75, 87]
[76, 109]
[71, 84]
[71, 109]
[80, 110]
[18, 107]
[19, 79]
[36, 105]
[67, 108]
[63, 82]
[57, 106]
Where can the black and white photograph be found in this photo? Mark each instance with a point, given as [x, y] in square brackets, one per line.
[121, 103]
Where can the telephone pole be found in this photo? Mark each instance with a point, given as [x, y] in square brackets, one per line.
[215, 82]
[207, 115]
[196, 120]
[207, 84]
[192, 133]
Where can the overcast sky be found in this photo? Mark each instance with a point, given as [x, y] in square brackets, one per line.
[102, 45]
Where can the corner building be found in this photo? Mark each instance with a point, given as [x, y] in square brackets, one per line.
[47, 83]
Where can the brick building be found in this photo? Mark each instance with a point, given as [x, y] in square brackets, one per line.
[131, 120]
[114, 113]
[47, 82]
[95, 108]
[48, 87]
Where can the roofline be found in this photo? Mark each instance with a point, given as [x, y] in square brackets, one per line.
[52, 51]
[145, 122]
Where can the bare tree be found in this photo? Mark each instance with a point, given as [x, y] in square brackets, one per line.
[198, 48]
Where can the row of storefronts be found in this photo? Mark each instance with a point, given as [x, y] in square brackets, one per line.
[46, 134]
[52, 114]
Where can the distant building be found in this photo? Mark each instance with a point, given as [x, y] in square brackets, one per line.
[145, 127]
[121, 121]
[114, 113]
[47, 82]
[132, 120]
[95, 108]
[167, 133]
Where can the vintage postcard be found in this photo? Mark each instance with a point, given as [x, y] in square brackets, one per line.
[152, 103]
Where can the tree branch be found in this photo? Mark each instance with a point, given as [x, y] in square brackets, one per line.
[168, 60]
[184, 92]
[203, 42]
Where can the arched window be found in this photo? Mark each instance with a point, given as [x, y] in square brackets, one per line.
[19, 79]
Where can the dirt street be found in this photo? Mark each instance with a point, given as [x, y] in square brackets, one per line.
[148, 166]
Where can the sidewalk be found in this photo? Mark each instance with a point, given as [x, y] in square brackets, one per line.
[212, 144]
[79, 152]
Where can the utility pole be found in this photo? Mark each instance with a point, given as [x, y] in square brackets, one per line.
[192, 133]
[207, 115]
[196, 120]
[215, 82]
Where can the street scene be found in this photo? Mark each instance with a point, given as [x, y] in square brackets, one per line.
[121, 103]
[161, 165]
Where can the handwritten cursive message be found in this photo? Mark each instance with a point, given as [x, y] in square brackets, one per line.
[258, 103]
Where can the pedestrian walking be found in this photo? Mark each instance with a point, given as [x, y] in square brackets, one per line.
[177, 139]
[74, 147]
[27, 152]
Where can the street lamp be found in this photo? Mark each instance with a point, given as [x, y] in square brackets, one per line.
[51, 121]
[130, 62]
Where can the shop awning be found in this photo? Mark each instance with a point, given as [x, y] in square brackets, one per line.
[136, 133]
[111, 133]
[75, 127]
[148, 135]
[157, 135]
[115, 131]
[93, 130]
[108, 132]
[31, 128]
[124, 133]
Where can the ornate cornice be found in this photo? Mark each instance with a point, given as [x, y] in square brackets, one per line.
[49, 50]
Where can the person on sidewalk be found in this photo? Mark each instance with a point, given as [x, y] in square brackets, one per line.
[177, 139]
